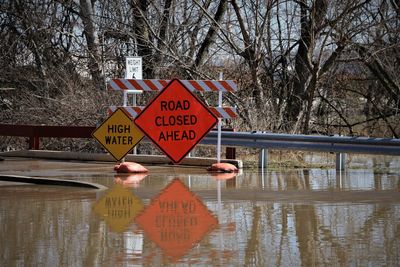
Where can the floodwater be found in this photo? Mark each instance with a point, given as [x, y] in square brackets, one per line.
[183, 216]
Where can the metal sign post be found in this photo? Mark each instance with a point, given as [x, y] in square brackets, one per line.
[133, 70]
[221, 76]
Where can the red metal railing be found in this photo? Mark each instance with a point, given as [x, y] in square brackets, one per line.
[35, 132]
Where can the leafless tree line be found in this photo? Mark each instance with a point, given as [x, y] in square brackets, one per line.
[302, 66]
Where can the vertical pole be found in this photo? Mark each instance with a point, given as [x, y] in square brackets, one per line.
[263, 164]
[103, 72]
[125, 99]
[230, 152]
[340, 179]
[219, 204]
[340, 161]
[34, 142]
[134, 100]
[134, 104]
[125, 103]
[262, 178]
[219, 200]
[263, 159]
[221, 76]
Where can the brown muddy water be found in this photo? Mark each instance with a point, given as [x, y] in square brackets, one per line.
[184, 216]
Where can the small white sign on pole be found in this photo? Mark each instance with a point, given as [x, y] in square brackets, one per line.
[134, 68]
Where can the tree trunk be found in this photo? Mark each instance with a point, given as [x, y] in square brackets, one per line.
[253, 58]
[302, 66]
[142, 34]
[93, 44]
[306, 79]
[212, 31]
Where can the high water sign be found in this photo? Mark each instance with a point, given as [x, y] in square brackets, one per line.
[118, 134]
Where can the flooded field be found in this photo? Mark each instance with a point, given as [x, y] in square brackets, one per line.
[185, 216]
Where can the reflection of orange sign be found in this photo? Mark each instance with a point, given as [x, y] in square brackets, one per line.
[118, 207]
[176, 220]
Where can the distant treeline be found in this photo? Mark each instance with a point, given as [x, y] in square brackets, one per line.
[312, 67]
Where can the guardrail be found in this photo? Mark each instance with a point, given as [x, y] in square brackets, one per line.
[336, 144]
[230, 139]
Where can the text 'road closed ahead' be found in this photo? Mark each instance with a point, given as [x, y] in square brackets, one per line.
[176, 120]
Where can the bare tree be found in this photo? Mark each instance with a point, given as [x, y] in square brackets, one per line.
[303, 66]
[86, 13]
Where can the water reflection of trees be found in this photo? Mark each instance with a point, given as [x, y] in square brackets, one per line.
[290, 234]
[59, 231]
[47, 227]
[287, 233]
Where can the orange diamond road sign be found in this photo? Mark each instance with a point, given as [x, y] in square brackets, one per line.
[118, 207]
[176, 120]
[176, 220]
[118, 134]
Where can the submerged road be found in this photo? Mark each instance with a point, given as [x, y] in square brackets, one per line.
[100, 175]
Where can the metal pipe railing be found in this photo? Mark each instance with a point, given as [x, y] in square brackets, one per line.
[34, 132]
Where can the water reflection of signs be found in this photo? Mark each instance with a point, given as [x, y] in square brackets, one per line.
[118, 207]
[176, 220]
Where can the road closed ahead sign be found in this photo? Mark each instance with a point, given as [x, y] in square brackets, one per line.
[176, 120]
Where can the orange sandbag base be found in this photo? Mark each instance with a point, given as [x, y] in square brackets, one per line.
[222, 167]
[129, 167]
